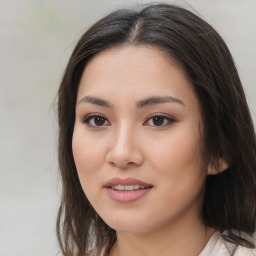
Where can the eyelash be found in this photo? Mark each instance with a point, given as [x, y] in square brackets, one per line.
[90, 117]
[167, 120]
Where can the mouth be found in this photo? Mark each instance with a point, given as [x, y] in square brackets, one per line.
[126, 190]
[127, 187]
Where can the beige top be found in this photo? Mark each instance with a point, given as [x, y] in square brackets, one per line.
[215, 247]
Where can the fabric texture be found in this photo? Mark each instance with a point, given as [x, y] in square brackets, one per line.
[216, 246]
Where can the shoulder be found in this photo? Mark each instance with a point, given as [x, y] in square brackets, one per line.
[217, 246]
[243, 251]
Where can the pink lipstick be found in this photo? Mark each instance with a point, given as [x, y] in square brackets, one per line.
[126, 190]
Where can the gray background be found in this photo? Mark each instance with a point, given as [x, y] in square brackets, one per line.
[36, 39]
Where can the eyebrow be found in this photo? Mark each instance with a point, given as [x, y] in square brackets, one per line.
[147, 102]
[96, 101]
[157, 100]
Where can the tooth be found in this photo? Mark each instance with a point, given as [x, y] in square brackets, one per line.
[120, 187]
[131, 187]
[127, 187]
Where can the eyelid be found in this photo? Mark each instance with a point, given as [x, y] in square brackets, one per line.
[165, 116]
[89, 117]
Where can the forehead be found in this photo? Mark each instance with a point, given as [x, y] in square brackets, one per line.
[135, 71]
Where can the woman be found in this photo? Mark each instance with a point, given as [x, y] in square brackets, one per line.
[157, 149]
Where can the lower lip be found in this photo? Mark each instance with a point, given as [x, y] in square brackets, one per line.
[127, 196]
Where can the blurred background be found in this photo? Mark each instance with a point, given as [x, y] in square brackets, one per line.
[36, 39]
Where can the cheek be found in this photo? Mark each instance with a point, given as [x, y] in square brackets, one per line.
[88, 159]
[178, 162]
[180, 179]
[87, 155]
[180, 152]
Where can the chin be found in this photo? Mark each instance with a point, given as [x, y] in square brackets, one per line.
[129, 225]
[130, 229]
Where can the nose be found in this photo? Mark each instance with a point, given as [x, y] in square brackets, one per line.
[125, 149]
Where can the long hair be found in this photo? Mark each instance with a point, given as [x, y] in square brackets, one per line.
[230, 197]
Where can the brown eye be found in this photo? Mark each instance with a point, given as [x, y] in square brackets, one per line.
[99, 120]
[94, 120]
[159, 120]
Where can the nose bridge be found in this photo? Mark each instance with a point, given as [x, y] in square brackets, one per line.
[124, 138]
[124, 147]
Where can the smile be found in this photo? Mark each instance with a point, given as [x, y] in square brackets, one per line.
[127, 188]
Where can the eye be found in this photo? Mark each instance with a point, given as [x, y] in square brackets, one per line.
[159, 120]
[95, 120]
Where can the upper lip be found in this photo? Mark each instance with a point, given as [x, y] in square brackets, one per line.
[125, 182]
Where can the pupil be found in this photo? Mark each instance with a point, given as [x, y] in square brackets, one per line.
[158, 120]
[99, 120]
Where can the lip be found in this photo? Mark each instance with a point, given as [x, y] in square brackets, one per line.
[125, 182]
[126, 196]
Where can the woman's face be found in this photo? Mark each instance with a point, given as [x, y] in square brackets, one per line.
[136, 142]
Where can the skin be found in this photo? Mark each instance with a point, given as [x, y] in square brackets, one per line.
[129, 143]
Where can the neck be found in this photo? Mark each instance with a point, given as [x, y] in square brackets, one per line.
[169, 240]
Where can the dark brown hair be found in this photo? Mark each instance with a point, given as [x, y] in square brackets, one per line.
[230, 197]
